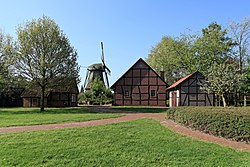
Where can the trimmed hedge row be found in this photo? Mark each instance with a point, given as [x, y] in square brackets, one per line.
[233, 123]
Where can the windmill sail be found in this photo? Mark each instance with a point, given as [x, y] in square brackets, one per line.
[99, 70]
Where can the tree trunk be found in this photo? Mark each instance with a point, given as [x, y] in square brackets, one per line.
[42, 99]
[218, 98]
[241, 59]
[235, 99]
[245, 100]
[224, 101]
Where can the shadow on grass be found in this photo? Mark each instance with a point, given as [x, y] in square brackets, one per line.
[139, 109]
[68, 110]
[84, 110]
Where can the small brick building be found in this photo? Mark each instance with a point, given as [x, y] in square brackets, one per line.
[140, 86]
[58, 97]
[187, 92]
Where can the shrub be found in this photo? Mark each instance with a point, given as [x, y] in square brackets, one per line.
[233, 123]
[96, 103]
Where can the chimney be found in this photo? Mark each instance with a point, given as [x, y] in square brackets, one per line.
[162, 74]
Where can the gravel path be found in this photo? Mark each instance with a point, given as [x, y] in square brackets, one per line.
[133, 116]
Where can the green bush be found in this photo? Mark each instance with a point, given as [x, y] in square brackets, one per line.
[233, 123]
[96, 103]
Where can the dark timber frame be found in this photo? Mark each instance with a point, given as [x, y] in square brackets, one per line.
[140, 80]
[189, 93]
[60, 96]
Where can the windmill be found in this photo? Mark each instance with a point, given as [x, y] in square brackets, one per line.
[99, 70]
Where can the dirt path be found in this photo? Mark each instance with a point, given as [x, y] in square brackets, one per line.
[133, 116]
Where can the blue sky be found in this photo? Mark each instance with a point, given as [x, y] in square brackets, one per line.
[128, 28]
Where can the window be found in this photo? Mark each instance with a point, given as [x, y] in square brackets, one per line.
[126, 93]
[35, 102]
[153, 93]
[73, 98]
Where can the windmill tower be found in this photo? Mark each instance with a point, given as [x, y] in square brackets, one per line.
[99, 70]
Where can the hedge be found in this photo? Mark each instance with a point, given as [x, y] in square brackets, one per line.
[232, 123]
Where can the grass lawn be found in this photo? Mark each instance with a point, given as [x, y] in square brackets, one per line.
[142, 142]
[33, 116]
[143, 109]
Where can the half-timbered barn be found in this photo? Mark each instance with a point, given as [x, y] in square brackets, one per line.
[140, 86]
[187, 92]
[58, 97]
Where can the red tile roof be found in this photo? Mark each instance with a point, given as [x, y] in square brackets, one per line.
[179, 81]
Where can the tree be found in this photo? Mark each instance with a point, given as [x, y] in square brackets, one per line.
[246, 80]
[245, 84]
[191, 52]
[44, 55]
[241, 36]
[98, 92]
[212, 47]
[6, 50]
[222, 79]
[3, 65]
[99, 89]
[168, 56]
[161, 58]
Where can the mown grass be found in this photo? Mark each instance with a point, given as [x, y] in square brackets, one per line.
[33, 116]
[142, 109]
[142, 142]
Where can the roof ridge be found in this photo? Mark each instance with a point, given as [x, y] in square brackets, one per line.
[180, 81]
[140, 59]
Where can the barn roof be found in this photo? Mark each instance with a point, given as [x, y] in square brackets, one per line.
[140, 60]
[31, 92]
[174, 85]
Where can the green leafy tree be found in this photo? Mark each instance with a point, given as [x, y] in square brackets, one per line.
[80, 97]
[191, 52]
[246, 80]
[214, 46]
[245, 84]
[3, 64]
[168, 56]
[44, 55]
[99, 90]
[6, 61]
[222, 79]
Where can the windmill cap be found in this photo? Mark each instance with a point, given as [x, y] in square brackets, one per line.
[98, 66]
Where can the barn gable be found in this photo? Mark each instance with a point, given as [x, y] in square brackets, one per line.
[140, 85]
[187, 92]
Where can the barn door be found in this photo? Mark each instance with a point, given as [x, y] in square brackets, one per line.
[174, 99]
